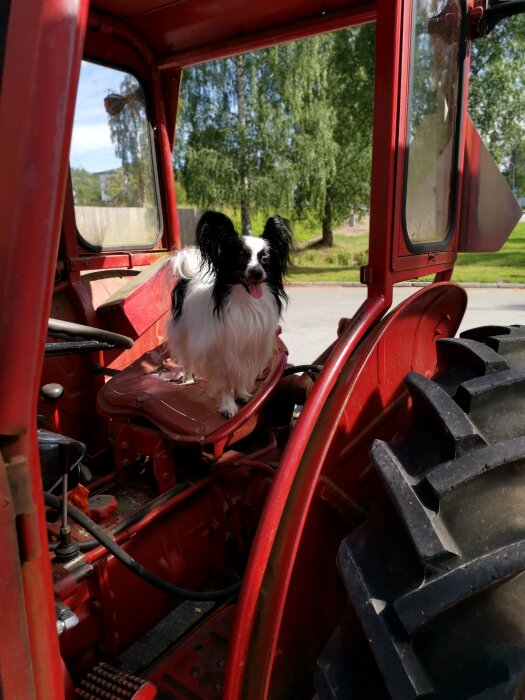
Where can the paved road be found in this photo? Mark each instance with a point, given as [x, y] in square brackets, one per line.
[310, 321]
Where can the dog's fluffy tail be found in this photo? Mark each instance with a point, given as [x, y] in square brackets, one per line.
[187, 264]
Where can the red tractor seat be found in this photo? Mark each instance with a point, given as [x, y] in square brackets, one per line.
[150, 389]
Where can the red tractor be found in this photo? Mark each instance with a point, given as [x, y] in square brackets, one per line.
[370, 545]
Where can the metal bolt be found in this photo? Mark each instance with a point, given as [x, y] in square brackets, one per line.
[195, 670]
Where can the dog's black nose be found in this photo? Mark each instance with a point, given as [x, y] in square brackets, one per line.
[255, 273]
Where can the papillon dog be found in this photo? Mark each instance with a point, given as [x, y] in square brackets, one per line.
[226, 305]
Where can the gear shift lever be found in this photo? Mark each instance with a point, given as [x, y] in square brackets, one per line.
[67, 549]
[51, 394]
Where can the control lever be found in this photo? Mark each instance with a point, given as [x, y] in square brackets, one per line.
[67, 549]
[51, 393]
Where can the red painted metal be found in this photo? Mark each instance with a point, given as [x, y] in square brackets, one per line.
[36, 116]
[109, 261]
[158, 508]
[267, 653]
[139, 303]
[369, 313]
[164, 145]
[14, 639]
[384, 152]
[405, 264]
[200, 535]
[196, 670]
[172, 28]
[183, 537]
[296, 28]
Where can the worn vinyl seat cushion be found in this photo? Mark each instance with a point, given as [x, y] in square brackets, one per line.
[150, 388]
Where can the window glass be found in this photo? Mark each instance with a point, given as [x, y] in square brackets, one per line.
[111, 159]
[433, 111]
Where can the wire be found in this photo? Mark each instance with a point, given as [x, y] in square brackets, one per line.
[132, 564]
[311, 370]
[302, 368]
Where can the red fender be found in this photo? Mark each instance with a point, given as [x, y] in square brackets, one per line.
[292, 597]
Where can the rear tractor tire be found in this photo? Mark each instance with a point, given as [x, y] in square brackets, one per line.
[435, 575]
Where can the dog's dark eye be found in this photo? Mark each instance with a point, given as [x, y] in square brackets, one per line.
[264, 259]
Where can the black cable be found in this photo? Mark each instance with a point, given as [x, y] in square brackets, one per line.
[302, 368]
[132, 519]
[311, 370]
[133, 565]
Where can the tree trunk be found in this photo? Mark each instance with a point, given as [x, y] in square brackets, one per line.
[244, 179]
[328, 234]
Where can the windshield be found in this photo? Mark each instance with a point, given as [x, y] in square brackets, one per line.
[112, 162]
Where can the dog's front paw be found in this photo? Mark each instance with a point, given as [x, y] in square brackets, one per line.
[243, 396]
[228, 407]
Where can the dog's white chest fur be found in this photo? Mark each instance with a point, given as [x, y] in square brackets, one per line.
[231, 350]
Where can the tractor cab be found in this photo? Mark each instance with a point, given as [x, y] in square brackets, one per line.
[355, 529]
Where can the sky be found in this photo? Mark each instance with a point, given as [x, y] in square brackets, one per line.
[91, 146]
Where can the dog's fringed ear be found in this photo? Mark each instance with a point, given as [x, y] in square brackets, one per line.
[213, 230]
[278, 233]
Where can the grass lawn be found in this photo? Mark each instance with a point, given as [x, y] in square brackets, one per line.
[342, 262]
[508, 265]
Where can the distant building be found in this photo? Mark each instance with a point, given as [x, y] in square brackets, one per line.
[104, 178]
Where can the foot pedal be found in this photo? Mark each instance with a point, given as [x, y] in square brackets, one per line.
[105, 682]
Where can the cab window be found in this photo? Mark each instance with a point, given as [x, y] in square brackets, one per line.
[112, 162]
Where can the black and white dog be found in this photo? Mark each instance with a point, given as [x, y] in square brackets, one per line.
[226, 305]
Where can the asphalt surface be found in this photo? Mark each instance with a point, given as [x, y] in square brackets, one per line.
[310, 321]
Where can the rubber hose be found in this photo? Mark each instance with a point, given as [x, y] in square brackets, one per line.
[302, 368]
[133, 565]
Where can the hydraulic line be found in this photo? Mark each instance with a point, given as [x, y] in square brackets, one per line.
[294, 369]
[133, 565]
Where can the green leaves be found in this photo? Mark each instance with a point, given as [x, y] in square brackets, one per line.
[285, 130]
[497, 93]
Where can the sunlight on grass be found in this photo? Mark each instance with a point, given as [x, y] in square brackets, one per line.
[342, 262]
[508, 265]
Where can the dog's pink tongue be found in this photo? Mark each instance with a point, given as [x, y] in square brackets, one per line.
[255, 289]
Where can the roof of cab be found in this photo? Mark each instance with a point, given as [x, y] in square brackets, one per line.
[189, 31]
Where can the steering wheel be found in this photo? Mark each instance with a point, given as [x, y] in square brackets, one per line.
[79, 338]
